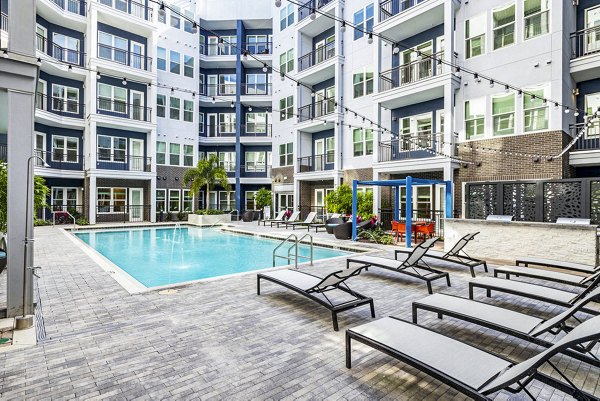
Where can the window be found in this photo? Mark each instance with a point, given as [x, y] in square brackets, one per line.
[227, 84]
[363, 21]
[112, 148]
[188, 111]
[256, 123]
[65, 48]
[250, 200]
[363, 84]
[503, 21]
[63, 198]
[64, 149]
[535, 110]
[175, 19]
[112, 200]
[369, 17]
[286, 154]
[174, 198]
[112, 98]
[161, 152]
[255, 162]
[175, 59]
[475, 36]
[227, 122]
[188, 201]
[503, 114]
[187, 25]
[286, 16]
[162, 18]
[161, 105]
[161, 200]
[537, 18]
[174, 154]
[201, 123]
[286, 107]
[188, 155]
[257, 44]
[174, 106]
[330, 150]
[592, 104]
[111, 47]
[363, 141]
[65, 99]
[40, 148]
[188, 66]
[256, 84]
[474, 117]
[286, 61]
[161, 56]
[227, 161]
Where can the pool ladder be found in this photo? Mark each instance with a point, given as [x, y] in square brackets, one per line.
[294, 246]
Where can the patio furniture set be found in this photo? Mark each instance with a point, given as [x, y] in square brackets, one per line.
[334, 225]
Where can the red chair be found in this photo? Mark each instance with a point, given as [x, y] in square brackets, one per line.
[399, 229]
[425, 230]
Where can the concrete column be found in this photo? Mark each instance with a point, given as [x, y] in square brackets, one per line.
[91, 194]
[376, 194]
[21, 25]
[153, 200]
[296, 194]
[448, 118]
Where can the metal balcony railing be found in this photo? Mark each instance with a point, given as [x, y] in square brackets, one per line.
[226, 49]
[317, 56]
[318, 109]
[256, 89]
[411, 146]
[3, 22]
[119, 160]
[257, 129]
[584, 42]
[315, 163]
[256, 167]
[69, 56]
[308, 7]
[59, 106]
[218, 89]
[390, 8]
[124, 110]
[426, 66]
[73, 6]
[222, 130]
[258, 47]
[590, 140]
[125, 57]
[105, 212]
[60, 159]
[130, 7]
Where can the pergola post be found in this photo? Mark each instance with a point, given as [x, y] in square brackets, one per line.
[397, 204]
[408, 211]
[449, 206]
[354, 208]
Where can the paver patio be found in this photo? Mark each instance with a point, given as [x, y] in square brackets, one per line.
[219, 340]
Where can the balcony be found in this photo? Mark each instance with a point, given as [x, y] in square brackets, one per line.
[131, 7]
[3, 31]
[258, 47]
[586, 150]
[125, 57]
[316, 57]
[72, 6]
[257, 130]
[310, 164]
[60, 106]
[585, 54]
[68, 56]
[307, 8]
[319, 109]
[123, 162]
[218, 89]
[401, 19]
[124, 110]
[223, 130]
[258, 89]
[416, 145]
[58, 159]
[390, 8]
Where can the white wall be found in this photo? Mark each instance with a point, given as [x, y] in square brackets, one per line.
[215, 10]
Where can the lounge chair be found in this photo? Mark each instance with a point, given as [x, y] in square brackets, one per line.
[413, 265]
[456, 255]
[277, 218]
[548, 275]
[470, 370]
[330, 224]
[520, 325]
[293, 217]
[318, 289]
[316, 226]
[533, 291]
[557, 264]
[309, 219]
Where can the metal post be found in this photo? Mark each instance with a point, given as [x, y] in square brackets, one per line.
[354, 208]
[409, 211]
[397, 204]
[449, 206]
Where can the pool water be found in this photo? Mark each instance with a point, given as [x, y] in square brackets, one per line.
[163, 256]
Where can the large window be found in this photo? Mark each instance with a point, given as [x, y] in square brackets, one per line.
[174, 108]
[161, 152]
[188, 111]
[188, 66]
[112, 200]
[65, 98]
[188, 155]
[161, 56]
[175, 19]
[161, 105]
[227, 84]
[112, 98]
[535, 110]
[256, 123]
[63, 198]
[286, 107]
[503, 114]
[227, 122]
[286, 154]
[330, 150]
[174, 154]
[475, 36]
[474, 117]
[112, 148]
[174, 200]
[363, 84]
[537, 18]
[363, 21]
[256, 84]
[65, 48]
[201, 123]
[187, 25]
[64, 149]
[188, 201]
[227, 161]
[250, 205]
[363, 141]
[592, 104]
[286, 61]
[111, 47]
[161, 200]
[503, 20]
[175, 62]
[286, 16]
[255, 162]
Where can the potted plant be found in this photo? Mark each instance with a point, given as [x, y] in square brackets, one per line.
[263, 198]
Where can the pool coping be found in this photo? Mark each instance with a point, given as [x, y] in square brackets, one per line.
[133, 286]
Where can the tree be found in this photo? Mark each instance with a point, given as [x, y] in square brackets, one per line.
[263, 198]
[339, 200]
[207, 174]
[40, 193]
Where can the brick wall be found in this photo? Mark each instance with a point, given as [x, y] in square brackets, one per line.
[123, 183]
[307, 193]
[173, 175]
[363, 174]
[286, 174]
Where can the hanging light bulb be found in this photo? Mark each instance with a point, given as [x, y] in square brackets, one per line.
[213, 100]
[396, 50]
[98, 76]
[491, 83]
[195, 28]
[172, 90]
[576, 114]
[343, 27]
[265, 67]
[277, 3]
[282, 77]
[567, 110]
[193, 95]
[221, 44]
[232, 105]
[250, 108]
[520, 93]
[39, 62]
[370, 39]
[70, 67]
[161, 10]
[506, 88]
[312, 94]
[313, 14]
[245, 55]
[124, 82]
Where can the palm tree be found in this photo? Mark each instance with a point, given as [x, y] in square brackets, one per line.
[207, 174]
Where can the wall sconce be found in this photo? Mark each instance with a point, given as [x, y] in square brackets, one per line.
[536, 159]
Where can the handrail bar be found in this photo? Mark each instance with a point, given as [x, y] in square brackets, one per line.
[63, 212]
[288, 257]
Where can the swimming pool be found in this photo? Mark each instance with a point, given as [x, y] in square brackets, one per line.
[162, 256]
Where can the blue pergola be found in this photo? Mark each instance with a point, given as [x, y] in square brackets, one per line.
[408, 182]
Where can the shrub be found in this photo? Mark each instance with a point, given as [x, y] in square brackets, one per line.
[169, 216]
[209, 212]
[41, 222]
[181, 216]
[263, 198]
[82, 221]
[377, 235]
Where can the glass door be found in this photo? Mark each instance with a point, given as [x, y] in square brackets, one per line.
[137, 105]
[330, 102]
[592, 25]
[320, 155]
[212, 81]
[211, 126]
[136, 204]
[137, 55]
[592, 102]
[137, 155]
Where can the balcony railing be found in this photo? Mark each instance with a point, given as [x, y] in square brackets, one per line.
[411, 146]
[256, 89]
[125, 57]
[428, 66]
[69, 56]
[318, 109]
[3, 153]
[389, 8]
[212, 49]
[72, 6]
[116, 213]
[584, 42]
[59, 106]
[130, 7]
[122, 161]
[317, 56]
[258, 47]
[218, 89]
[223, 130]
[124, 110]
[61, 159]
[3, 22]
[590, 140]
[316, 163]
[256, 129]
[256, 167]
[306, 8]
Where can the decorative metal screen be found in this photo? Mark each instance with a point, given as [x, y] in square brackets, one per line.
[519, 201]
[562, 199]
[482, 200]
[595, 202]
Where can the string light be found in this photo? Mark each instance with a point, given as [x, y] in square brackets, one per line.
[124, 82]
[343, 27]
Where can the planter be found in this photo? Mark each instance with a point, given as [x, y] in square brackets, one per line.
[208, 220]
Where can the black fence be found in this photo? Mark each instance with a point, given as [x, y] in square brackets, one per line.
[122, 213]
[316, 56]
[543, 201]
